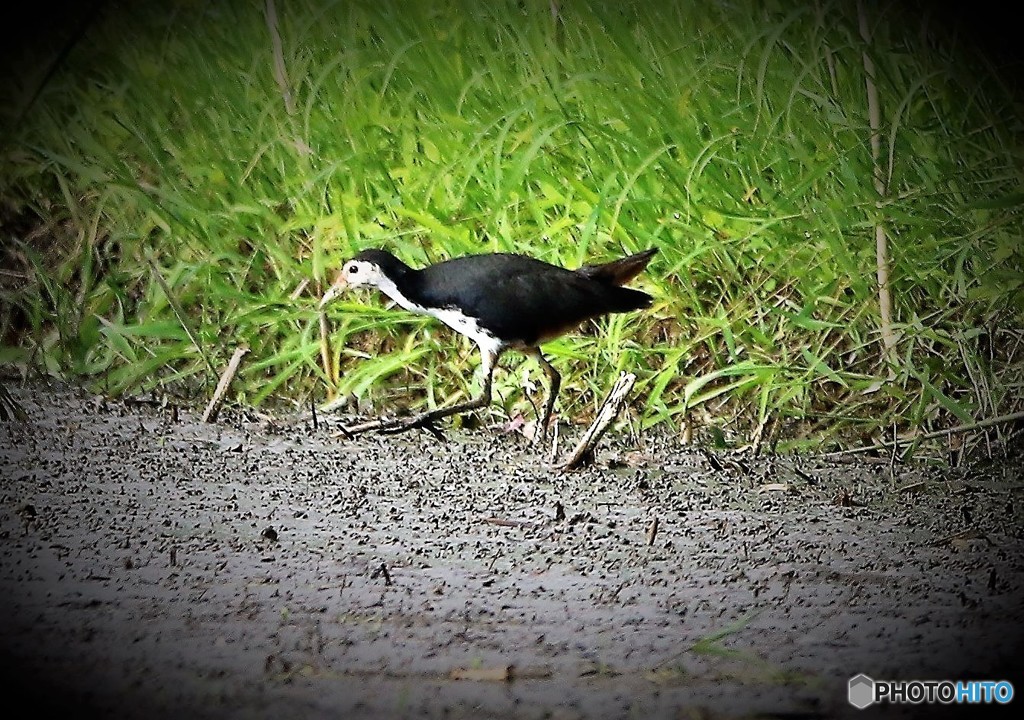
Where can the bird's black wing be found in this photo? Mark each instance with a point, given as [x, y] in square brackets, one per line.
[521, 299]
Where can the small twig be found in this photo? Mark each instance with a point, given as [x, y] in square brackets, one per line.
[381, 571]
[809, 479]
[968, 534]
[652, 531]
[501, 673]
[222, 385]
[620, 588]
[559, 512]
[895, 453]
[511, 523]
[969, 427]
[608, 412]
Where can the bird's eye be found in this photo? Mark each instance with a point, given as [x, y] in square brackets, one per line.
[353, 269]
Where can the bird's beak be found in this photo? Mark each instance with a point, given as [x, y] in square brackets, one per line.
[333, 291]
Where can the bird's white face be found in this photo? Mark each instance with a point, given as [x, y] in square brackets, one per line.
[355, 273]
[360, 273]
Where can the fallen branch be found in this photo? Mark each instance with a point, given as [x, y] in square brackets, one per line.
[222, 385]
[605, 416]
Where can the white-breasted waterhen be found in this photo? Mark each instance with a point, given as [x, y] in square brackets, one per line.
[500, 301]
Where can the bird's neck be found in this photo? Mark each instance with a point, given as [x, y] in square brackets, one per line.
[404, 294]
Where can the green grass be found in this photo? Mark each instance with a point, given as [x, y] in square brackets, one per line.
[732, 137]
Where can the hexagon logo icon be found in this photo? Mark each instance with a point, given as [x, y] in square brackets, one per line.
[861, 691]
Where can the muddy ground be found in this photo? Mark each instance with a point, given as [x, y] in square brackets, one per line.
[153, 567]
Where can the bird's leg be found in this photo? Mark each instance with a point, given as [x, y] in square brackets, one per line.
[378, 425]
[554, 384]
[426, 419]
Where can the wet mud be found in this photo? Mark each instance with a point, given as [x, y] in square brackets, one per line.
[155, 566]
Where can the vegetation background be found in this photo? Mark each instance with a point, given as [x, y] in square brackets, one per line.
[183, 178]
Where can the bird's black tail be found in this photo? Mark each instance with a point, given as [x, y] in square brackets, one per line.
[618, 272]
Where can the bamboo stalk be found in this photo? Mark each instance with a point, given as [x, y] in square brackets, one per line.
[881, 237]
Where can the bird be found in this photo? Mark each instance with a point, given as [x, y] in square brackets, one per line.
[501, 301]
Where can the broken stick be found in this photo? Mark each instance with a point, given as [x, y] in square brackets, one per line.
[210, 413]
[605, 416]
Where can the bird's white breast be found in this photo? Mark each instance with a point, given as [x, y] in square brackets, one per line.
[452, 317]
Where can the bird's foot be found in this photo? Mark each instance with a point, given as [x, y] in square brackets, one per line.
[393, 426]
[424, 422]
[546, 434]
[351, 431]
[543, 430]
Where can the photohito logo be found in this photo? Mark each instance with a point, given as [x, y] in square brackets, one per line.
[864, 691]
